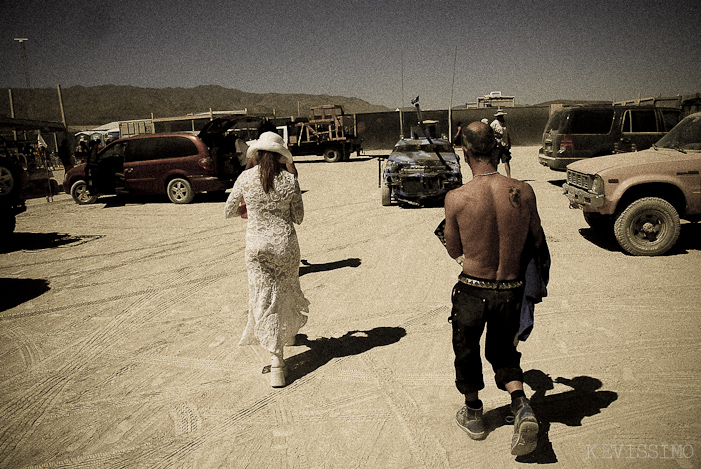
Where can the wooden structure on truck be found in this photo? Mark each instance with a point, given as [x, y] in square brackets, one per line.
[328, 132]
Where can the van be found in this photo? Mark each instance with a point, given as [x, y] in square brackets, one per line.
[577, 132]
[179, 165]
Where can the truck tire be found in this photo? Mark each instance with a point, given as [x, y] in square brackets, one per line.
[80, 193]
[386, 195]
[647, 227]
[10, 180]
[332, 155]
[180, 191]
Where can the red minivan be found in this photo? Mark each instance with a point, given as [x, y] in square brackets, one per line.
[179, 164]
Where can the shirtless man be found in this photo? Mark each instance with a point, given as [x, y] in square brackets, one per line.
[488, 221]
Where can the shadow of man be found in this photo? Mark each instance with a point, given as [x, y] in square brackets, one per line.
[323, 350]
[569, 408]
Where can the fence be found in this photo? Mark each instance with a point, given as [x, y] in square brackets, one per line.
[381, 130]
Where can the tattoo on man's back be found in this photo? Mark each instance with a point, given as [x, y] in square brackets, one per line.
[515, 197]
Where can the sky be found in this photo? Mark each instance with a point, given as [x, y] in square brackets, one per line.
[385, 52]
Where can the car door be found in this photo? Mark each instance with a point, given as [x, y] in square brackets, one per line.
[139, 173]
[102, 170]
[640, 129]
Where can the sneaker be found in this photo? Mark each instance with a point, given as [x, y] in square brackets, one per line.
[472, 422]
[525, 436]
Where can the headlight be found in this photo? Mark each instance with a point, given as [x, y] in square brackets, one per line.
[597, 185]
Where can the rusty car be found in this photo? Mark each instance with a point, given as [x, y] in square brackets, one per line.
[420, 171]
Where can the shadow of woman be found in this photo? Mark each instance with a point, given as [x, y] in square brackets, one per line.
[323, 350]
[569, 408]
[309, 268]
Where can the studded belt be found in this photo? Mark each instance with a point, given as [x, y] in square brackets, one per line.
[489, 284]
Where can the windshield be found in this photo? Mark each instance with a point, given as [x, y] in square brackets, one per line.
[685, 136]
[428, 148]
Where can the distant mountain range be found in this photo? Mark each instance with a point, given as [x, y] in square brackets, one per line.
[97, 105]
[87, 107]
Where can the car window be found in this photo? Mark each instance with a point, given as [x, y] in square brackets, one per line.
[409, 148]
[670, 119]
[686, 135]
[554, 121]
[116, 150]
[590, 121]
[639, 120]
[155, 148]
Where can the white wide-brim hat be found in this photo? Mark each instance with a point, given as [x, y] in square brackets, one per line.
[269, 141]
[499, 113]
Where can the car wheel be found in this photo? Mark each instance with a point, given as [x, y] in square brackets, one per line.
[81, 194]
[332, 155]
[597, 221]
[647, 227]
[180, 191]
[10, 179]
[7, 180]
[386, 195]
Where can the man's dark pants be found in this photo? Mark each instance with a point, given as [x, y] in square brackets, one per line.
[498, 309]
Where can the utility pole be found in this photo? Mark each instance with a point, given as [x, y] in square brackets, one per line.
[23, 53]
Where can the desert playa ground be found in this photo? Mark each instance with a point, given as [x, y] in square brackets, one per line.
[119, 325]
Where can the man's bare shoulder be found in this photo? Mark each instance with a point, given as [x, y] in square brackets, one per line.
[455, 194]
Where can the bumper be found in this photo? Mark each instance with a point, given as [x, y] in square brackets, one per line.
[580, 198]
[556, 163]
[418, 188]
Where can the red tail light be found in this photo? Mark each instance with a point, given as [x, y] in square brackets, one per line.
[566, 143]
[206, 163]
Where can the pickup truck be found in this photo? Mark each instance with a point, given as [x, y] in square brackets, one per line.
[642, 195]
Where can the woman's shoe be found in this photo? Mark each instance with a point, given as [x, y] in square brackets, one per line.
[277, 377]
[278, 370]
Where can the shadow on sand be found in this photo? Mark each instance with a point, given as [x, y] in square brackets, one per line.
[568, 408]
[21, 290]
[322, 350]
[35, 241]
[309, 268]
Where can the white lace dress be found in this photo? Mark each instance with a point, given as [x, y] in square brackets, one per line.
[275, 298]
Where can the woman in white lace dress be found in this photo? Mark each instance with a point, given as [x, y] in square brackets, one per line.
[273, 201]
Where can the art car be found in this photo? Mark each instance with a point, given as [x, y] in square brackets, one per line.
[420, 171]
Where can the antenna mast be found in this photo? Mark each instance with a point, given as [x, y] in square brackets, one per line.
[23, 53]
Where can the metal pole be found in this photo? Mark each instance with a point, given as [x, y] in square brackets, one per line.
[23, 54]
[12, 112]
[60, 103]
[452, 88]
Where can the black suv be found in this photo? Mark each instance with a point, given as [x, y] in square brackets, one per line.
[577, 132]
